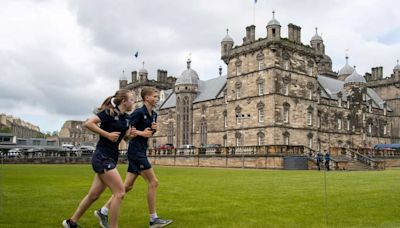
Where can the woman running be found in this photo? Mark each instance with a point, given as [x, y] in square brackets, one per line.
[113, 127]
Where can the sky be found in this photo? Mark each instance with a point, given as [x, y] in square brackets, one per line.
[60, 59]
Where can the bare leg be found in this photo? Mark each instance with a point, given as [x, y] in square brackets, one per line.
[152, 182]
[128, 184]
[95, 191]
[113, 180]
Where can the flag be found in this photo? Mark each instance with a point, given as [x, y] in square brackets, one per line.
[255, 1]
[136, 54]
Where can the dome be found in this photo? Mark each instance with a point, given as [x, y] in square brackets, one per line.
[346, 69]
[355, 78]
[397, 67]
[143, 70]
[273, 21]
[316, 37]
[189, 76]
[227, 38]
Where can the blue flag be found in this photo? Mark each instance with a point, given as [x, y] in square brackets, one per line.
[136, 54]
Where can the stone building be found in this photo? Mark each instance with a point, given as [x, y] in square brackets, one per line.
[279, 91]
[18, 127]
[163, 83]
[73, 132]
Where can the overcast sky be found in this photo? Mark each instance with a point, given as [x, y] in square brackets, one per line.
[59, 59]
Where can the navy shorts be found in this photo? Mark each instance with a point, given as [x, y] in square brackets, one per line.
[102, 163]
[136, 165]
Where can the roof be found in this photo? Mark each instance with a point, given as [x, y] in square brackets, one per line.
[208, 90]
[330, 88]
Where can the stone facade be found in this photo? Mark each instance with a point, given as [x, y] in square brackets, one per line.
[277, 91]
[73, 132]
[18, 127]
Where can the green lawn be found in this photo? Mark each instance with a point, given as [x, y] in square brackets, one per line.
[44, 195]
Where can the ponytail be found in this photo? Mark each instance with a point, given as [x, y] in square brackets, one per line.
[110, 103]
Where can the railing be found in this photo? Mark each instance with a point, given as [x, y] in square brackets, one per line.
[371, 162]
[385, 153]
[281, 150]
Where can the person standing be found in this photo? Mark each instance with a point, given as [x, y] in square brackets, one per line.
[327, 160]
[319, 159]
[144, 120]
[114, 125]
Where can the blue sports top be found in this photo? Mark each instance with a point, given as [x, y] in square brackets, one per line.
[109, 123]
[140, 119]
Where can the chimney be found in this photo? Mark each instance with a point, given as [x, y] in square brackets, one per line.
[252, 33]
[134, 76]
[246, 39]
[159, 75]
[294, 33]
[374, 73]
[379, 73]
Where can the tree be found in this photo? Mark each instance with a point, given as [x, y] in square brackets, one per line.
[5, 129]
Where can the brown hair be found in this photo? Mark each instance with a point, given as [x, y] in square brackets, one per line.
[147, 91]
[110, 103]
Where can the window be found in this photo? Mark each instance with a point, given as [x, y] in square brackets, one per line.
[260, 89]
[238, 70]
[348, 125]
[286, 139]
[339, 123]
[340, 102]
[370, 128]
[370, 108]
[225, 141]
[319, 120]
[384, 129]
[310, 94]
[260, 138]
[285, 89]
[286, 108]
[260, 65]
[170, 133]
[238, 141]
[309, 118]
[384, 110]
[261, 115]
[238, 118]
[310, 142]
[225, 120]
[237, 93]
[203, 132]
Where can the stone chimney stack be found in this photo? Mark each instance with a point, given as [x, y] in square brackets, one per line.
[134, 76]
[294, 33]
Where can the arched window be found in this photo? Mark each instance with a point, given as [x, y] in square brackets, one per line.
[225, 119]
[203, 132]
[310, 111]
[260, 138]
[185, 121]
[170, 133]
[286, 110]
[310, 140]
[238, 137]
[286, 136]
[260, 107]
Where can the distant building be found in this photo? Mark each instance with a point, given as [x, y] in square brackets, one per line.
[18, 127]
[73, 132]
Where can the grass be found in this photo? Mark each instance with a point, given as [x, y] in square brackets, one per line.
[44, 195]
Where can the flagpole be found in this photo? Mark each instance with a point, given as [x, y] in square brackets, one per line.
[254, 12]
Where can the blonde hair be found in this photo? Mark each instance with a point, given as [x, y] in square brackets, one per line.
[110, 103]
[146, 91]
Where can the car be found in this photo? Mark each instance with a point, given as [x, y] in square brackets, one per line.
[85, 148]
[167, 146]
[187, 146]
